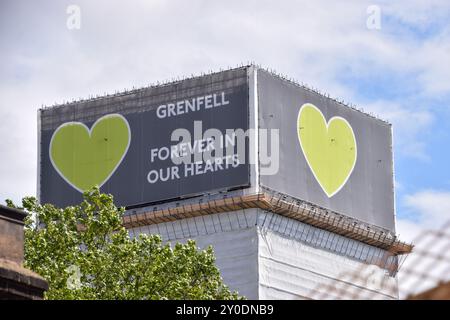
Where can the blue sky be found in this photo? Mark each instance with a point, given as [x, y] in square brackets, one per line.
[417, 167]
[400, 71]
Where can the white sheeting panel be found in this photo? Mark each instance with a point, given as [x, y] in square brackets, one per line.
[237, 259]
[289, 269]
[234, 239]
[268, 256]
[315, 237]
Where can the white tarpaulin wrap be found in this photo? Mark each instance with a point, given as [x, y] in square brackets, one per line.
[289, 269]
[234, 239]
[266, 256]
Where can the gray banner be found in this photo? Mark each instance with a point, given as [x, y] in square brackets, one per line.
[368, 193]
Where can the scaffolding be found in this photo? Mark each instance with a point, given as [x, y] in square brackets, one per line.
[282, 205]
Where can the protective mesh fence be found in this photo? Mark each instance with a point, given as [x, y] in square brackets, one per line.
[425, 271]
[249, 218]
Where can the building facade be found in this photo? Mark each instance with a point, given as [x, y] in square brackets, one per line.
[294, 190]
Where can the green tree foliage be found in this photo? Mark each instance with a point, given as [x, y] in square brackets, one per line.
[85, 253]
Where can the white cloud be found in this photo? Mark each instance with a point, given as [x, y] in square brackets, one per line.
[408, 230]
[431, 207]
[419, 13]
[422, 211]
[410, 126]
[433, 59]
[122, 46]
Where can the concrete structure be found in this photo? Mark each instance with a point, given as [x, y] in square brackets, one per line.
[16, 282]
[285, 223]
[279, 246]
[270, 246]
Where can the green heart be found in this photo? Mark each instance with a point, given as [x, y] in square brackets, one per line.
[329, 148]
[85, 158]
